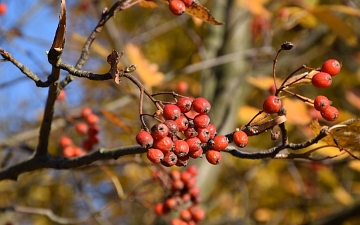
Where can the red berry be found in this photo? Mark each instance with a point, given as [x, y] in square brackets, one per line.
[177, 185]
[85, 112]
[155, 155]
[272, 89]
[240, 138]
[182, 87]
[331, 67]
[159, 131]
[196, 154]
[79, 151]
[181, 148]
[65, 141]
[213, 157]
[182, 161]
[197, 213]
[272, 104]
[173, 127]
[87, 144]
[212, 129]
[194, 192]
[188, 3]
[3, 8]
[175, 174]
[190, 132]
[330, 113]
[201, 105]
[159, 209]
[171, 203]
[184, 104]
[220, 142]
[177, 7]
[144, 139]
[93, 130]
[193, 170]
[61, 96]
[170, 159]
[177, 221]
[81, 128]
[92, 119]
[164, 144]
[321, 80]
[186, 176]
[203, 135]
[321, 103]
[185, 215]
[69, 152]
[201, 120]
[171, 112]
[182, 123]
[194, 143]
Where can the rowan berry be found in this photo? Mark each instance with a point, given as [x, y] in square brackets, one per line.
[175, 174]
[171, 203]
[182, 86]
[181, 148]
[159, 131]
[177, 7]
[159, 209]
[182, 161]
[184, 104]
[182, 123]
[201, 121]
[93, 130]
[169, 160]
[203, 135]
[176, 221]
[78, 151]
[65, 141]
[194, 192]
[81, 128]
[201, 105]
[190, 132]
[164, 144]
[193, 170]
[213, 157]
[194, 143]
[321, 103]
[219, 142]
[177, 185]
[331, 67]
[212, 129]
[3, 8]
[330, 113]
[185, 215]
[87, 144]
[272, 104]
[173, 127]
[92, 119]
[144, 139]
[196, 154]
[186, 176]
[321, 80]
[171, 112]
[85, 112]
[69, 152]
[197, 213]
[188, 3]
[240, 138]
[61, 96]
[155, 155]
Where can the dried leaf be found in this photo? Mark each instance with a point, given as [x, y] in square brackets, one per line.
[148, 72]
[315, 129]
[114, 119]
[200, 12]
[337, 25]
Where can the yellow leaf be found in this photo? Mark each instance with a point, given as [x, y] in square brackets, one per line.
[262, 82]
[246, 113]
[338, 26]
[347, 134]
[342, 196]
[148, 72]
[297, 112]
[95, 47]
[114, 119]
[355, 165]
[256, 7]
[148, 4]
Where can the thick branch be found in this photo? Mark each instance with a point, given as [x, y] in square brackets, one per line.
[81, 73]
[46, 161]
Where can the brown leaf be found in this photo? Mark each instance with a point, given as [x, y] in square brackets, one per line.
[315, 129]
[59, 39]
[114, 119]
[347, 134]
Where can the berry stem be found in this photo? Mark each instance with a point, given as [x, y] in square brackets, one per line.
[302, 98]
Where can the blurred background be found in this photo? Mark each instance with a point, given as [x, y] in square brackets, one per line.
[230, 65]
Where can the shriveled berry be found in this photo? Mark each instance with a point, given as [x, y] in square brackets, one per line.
[159, 131]
[331, 67]
[144, 139]
[196, 154]
[203, 135]
[272, 104]
[321, 80]
[173, 127]
[219, 142]
[171, 112]
[181, 148]
[170, 159]
[201, 105]
[190, 132]
[182, 161]
[182, 123]
[330, 113]
[177, 7]
[184, 104]
[155, 155]
[213, 157]
[164, 144]
[201, 120]
[321, 103]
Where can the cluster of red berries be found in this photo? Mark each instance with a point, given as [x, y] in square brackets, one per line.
[184, 196]
[165, 143]
[89, 129]
[323, 79]
[177, 7]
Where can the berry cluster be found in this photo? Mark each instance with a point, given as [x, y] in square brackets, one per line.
[323, 79]
[182, 136]
[88, 129]
[184, 196]
[177, 7]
